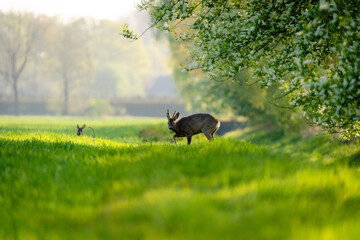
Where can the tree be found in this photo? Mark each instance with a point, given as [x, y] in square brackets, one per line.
[310, 49]
[72, 55]
[18, 35]
[262, 107]
[121, 68]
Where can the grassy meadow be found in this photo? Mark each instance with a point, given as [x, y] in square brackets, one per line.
[131, 182]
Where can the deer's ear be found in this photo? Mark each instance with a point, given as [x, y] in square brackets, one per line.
[168, 114]
[78, 126]
[176, 116]
[83, 126]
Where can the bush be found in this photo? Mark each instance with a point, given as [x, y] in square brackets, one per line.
[99, 107]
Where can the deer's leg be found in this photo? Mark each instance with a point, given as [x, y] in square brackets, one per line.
[189, 140]
[174, 139]
[213, 133]
[207, 135]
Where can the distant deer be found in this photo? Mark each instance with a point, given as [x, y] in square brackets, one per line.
[80, 130]
[192, 125]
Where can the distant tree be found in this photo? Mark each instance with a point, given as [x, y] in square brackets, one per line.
[72, 57]
[122, 67]
[310, 49]
[18, 35]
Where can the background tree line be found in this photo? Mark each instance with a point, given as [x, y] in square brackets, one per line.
[44, 57]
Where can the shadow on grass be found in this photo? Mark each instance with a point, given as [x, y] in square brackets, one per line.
[355, 160]
[305, 148]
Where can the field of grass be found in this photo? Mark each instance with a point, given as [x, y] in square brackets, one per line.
[133, 183]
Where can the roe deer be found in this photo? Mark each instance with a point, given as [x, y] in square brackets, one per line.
[192, 125]
[80, 130]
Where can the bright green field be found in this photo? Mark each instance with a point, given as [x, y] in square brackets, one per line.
[132, 183]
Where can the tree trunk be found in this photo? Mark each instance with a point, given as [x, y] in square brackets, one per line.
[34, 76]
[16, 95]
[66, 96]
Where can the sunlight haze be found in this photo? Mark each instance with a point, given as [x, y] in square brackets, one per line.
[105, 9]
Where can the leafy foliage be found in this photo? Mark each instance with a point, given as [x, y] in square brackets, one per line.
[226, 98]
[309, 48]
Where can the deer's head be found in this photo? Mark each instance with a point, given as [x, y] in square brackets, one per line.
[171, 120]
[80, 130]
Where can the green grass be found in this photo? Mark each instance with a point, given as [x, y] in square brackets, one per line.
[132, 183]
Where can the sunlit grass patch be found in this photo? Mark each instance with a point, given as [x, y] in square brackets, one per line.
[124, 129]
[54, 184]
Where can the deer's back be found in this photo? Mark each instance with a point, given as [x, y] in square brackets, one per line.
[197, 122]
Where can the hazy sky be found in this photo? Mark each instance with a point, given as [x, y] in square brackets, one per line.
[108, 9]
